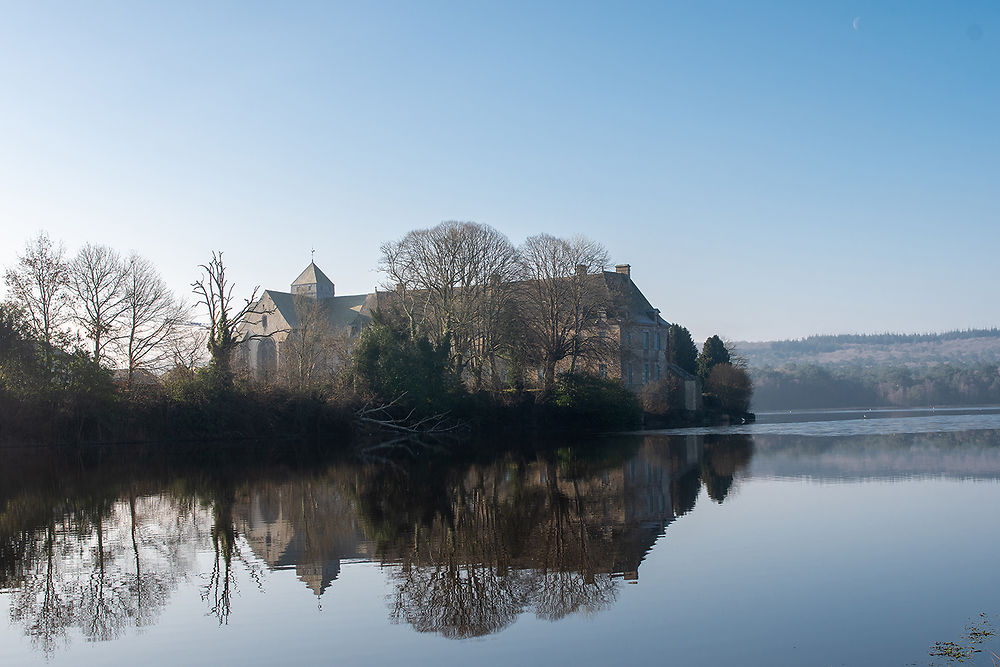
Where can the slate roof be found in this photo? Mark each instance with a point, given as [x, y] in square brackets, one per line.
[343, 310]
[629, 300]
[625, 300]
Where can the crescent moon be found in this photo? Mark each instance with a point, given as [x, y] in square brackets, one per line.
[856, 22]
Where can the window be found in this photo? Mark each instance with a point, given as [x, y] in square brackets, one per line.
[630, 373]
[541, 374]
[645, 340]
[628, 337]
[657, 371]
[602, 369]
[263, 322]
[657, 340]
[645, 373]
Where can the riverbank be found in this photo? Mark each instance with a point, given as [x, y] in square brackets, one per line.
[338, 421]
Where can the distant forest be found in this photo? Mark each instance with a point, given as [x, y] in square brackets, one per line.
[876, 370]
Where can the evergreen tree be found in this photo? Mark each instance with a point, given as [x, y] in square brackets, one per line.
[713, 353]
[681, 349]
[409, 371]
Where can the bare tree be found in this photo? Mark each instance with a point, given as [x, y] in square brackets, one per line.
[453, 282]
[97, 279]
[313, 350]
[38, 285]
[150, 318]
[187, 346]
[225, 332]
[487, 298]
[563, 302]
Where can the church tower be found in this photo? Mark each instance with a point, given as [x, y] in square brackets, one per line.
[313, 283]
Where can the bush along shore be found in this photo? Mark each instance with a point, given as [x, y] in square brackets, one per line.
[391, 386]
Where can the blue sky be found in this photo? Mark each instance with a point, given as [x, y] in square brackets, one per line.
[769, 169]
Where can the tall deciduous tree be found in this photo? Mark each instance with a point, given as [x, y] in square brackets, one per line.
[38, 285]
[97, 279]
[562, 301]
[151, 316]
[215, 292]
[455, 283]
[732, 386]
[313, 350]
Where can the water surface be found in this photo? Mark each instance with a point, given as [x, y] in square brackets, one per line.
[855, 541]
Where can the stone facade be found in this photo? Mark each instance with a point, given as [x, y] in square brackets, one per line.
[280, 314]
[640, 331]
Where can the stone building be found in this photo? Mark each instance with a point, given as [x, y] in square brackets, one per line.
[311, 297]
[641, 332]
[642, 337]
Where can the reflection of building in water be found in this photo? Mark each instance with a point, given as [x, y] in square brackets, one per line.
[306, 526]
[549, 535]
[552, 516]
[628, 507]
[472, 547]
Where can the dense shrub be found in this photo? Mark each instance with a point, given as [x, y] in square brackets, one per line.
[588, 401]
[732, 387]
[390, 366]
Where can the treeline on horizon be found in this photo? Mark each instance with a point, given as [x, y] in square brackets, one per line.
[780, 351]
[960, 367]
[803, 386]
[95, 347]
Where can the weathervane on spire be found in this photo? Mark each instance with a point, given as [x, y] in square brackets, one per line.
[312, 255]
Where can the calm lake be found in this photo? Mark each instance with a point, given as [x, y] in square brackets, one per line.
[806, 539]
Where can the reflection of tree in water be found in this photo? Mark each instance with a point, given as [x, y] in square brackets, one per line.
[515, 537]
[468, 589]
[472, 546]
[560, 593]
[553, 536]
[722, 458]
[222, 582]
[42, 603]
[100, 567]
[458, 600]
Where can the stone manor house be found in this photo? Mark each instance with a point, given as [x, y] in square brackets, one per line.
[642, 333]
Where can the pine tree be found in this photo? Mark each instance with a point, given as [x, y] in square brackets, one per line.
[713, 353]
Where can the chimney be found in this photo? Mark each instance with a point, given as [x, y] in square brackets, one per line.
[625, 269]
[581, 269]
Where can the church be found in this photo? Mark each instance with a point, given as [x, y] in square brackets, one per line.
[641, 331]
[282, 313]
